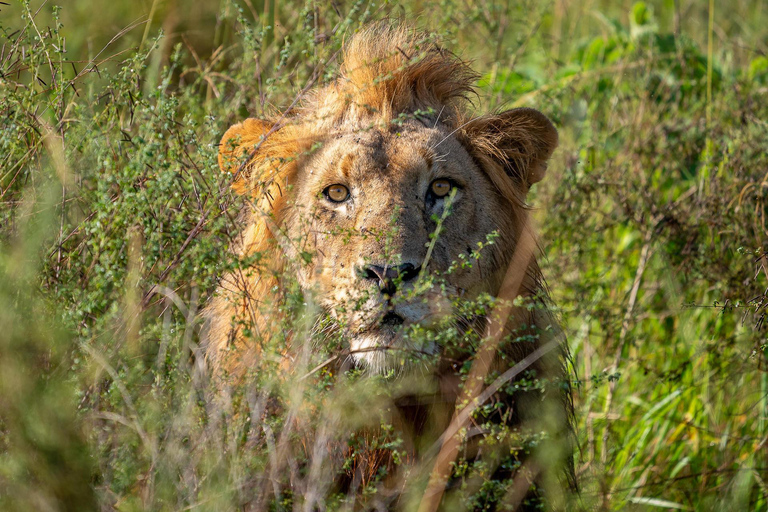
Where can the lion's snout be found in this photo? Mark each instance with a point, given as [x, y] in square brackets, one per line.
[388, 277]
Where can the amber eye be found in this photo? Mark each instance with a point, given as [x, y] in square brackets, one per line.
[337, 193]
[440, 187]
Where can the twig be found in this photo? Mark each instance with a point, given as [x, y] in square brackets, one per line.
[192, 235]
[498, 319]
[645, 255]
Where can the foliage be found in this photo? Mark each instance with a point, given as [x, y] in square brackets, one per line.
[116, 223]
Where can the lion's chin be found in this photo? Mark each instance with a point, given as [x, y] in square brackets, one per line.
[378, 349]
[385, 348]
[379, 342]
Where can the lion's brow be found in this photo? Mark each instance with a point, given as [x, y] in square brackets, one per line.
[428, 155]
[346, 164]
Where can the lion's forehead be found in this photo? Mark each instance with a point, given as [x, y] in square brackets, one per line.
[403, 156]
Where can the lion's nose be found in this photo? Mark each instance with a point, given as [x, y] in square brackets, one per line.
[387, 276]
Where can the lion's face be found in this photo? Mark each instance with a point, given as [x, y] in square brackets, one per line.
[366, 206]
[354, 184]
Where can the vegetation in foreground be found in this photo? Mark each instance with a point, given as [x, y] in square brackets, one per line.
[116, 223]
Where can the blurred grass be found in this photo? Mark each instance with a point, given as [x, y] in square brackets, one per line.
[116, 223]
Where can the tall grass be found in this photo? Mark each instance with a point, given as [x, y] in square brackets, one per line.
[116, 223]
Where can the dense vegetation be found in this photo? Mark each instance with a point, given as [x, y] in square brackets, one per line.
[116, 222]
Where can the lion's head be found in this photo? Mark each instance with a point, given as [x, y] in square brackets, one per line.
[355, 183]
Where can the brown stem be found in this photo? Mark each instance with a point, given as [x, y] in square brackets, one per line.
[480, 367]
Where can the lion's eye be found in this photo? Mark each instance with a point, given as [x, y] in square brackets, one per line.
[336, 193]
[440, 187]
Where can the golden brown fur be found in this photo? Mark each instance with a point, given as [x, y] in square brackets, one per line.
[394, 121]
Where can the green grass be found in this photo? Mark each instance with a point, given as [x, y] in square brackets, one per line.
[115, 222]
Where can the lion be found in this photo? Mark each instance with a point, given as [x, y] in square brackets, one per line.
[373, 183]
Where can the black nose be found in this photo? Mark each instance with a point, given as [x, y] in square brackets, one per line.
[387, 276]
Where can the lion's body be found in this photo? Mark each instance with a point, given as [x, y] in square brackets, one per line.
[390, 131]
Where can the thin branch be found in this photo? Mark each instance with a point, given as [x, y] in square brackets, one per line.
[645, 255]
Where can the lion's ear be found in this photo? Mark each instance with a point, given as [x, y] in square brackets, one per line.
[521, 140]
[238, 143]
